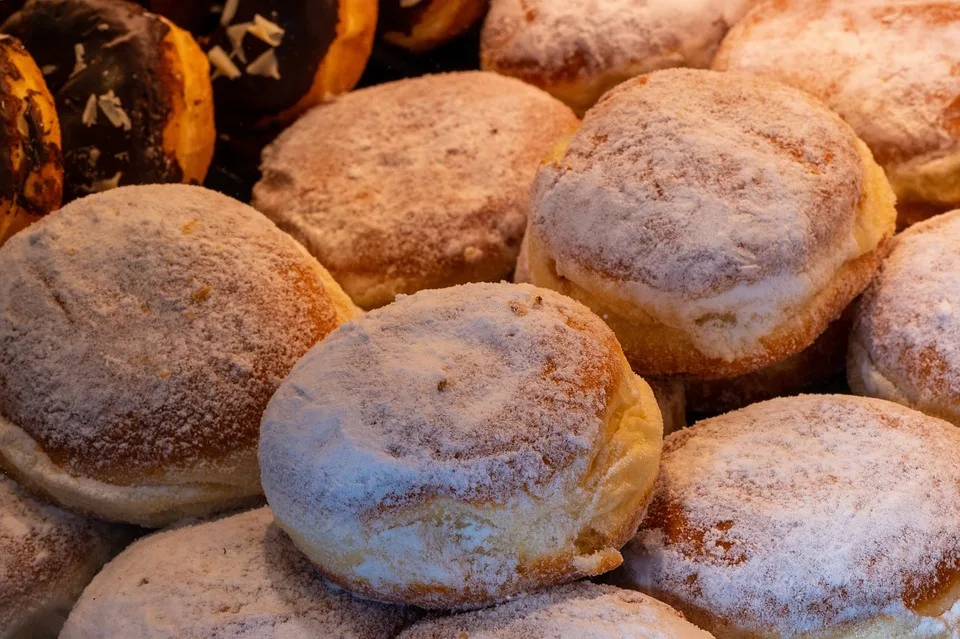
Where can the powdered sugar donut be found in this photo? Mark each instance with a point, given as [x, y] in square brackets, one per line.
[235, 578]
[422, 183]
[718, 222]
[904, 346]
[583, 610]
[47, 557]
[888, 67]
[144, 330]
[461, 446]
[820, 516]
[578, 49]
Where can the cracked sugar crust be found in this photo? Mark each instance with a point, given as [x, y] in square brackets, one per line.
[420, 183]
[239, 577]
[693, 183]
[799, 514]
[144, 329]
[583, 610]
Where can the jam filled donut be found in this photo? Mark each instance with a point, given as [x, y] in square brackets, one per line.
[274, 59]
[717, 221]
[577, 50]
[889, 68]
[905, 345]
[132, 92]
[461, 446]
[47, 557]
[420, 25]
[237, 577]
[422, 183]
[819, 516]
[583, 610]
[31, 165]
[144, 331]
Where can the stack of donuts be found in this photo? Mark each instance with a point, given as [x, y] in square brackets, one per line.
[643, 323]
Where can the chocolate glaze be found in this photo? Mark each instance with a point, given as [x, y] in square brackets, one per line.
[38, 152]
[8, 7]
[124, 53]
[310, 28]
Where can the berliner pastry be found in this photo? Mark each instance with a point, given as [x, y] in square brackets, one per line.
[888, 67]
[274, 59]
[819, 516]
[577, 50]
[717, 221]
[421, 25]
[47, 557]
[582, 610]
[132, 92]
[31, 165]
[236, 577]
[421, 183]
[905, 344]
[144, 330]
[461, 446]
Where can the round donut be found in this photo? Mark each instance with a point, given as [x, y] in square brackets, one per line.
[889, 68]
[461, 446]
[47, 557]
[236, 577]
[819, 516]
[144, 331]
[583, 610]
[30, 160]
[421, 25]
[816, 368]
[905, 344]
[717, 221]
[274, 59]
[132, 92]
[578, 50]
[422, 183]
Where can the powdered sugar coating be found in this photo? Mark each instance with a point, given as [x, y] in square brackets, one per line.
[886, 66]
[908, 321]
[701, 197]
[145, 328]
[420, 183]
[803, 514]
[583, 610]
[239, 577]
[47, 556]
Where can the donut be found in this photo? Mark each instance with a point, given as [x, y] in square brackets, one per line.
[888, 68]
[904, 344]
[47, 557]
[232, 578]
[583, 610]
[421, 25]
[578, 50]
[422, 183]
[717, 221]
[816, 368]
[144, 331]
[132, 92]
[274, 59]
[30, 161]
[9, 7]
[461, 446]
[818, 516]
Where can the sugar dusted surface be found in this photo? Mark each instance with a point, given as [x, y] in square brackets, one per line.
[144, 329]
[238, 577]
[796, 514]
[909, 319]
[583, 610]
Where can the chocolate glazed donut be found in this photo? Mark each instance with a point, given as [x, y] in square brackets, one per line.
[131, 92]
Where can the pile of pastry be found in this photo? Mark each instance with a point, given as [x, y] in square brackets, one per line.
[435, 379]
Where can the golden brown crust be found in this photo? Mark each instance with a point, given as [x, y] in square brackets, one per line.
[31, 164]
[428, 23]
